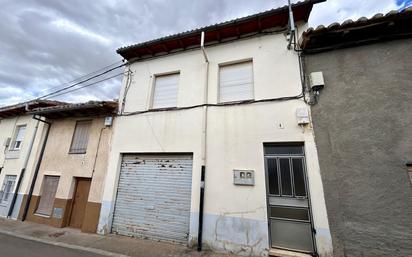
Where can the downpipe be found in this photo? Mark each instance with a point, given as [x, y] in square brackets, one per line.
[36, 171]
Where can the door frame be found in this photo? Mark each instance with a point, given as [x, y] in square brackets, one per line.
[313, 234]
[73, 198]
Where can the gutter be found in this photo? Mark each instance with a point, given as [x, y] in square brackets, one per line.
[36, 171]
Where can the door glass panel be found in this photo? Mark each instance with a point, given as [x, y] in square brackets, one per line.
[291, 235]
[284, 149]
[285, 176]
[298, 177]
[273, 176]
[289, 213]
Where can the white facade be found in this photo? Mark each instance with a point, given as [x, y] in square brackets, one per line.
[13, 160]
[235, 217]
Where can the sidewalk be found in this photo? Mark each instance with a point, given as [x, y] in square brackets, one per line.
[109, 245]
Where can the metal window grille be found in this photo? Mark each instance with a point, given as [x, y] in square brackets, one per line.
[7, 188]
[165, 91]
[236, 82]
[80, 137]
[48, 194]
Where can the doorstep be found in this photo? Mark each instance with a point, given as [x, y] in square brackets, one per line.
[283, 253]
[109, 245]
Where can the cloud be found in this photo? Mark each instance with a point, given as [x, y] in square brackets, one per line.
[46, 43]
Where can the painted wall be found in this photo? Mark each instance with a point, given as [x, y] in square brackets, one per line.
[235, 218]
[13, 161]
[57, 161]
[363, 131]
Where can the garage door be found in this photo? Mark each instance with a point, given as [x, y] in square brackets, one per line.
[153, 197]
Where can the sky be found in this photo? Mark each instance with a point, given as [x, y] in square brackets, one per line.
[47, 44]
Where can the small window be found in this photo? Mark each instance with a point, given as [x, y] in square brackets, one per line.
[236, 82]
[7, 188]
[80, 137]
[48, 194]
[18, 137]
[165, 91]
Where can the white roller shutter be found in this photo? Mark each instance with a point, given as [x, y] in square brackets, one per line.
[153, 197]
[165, 91]
[236, 82]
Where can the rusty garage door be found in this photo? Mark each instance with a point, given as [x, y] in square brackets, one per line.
[153, 197]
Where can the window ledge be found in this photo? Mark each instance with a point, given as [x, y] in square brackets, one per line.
[42, 215]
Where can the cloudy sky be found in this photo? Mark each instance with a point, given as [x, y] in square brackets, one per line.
[47, 44]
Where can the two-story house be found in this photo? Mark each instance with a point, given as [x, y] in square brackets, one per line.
[20, 136]
[213, 144]
[67, 184]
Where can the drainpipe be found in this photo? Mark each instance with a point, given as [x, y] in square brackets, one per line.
[291, 26]
[204, 141]
[23, 170]
[36, 171]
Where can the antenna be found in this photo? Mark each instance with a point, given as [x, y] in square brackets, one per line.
[291, 25]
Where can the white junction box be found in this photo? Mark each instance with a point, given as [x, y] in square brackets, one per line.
[244, 177]
[302, 115]
[108, 121]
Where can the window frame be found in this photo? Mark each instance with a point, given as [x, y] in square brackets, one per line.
[153, 89]
[73, 151]
[42, 193]
[16, 133]
[232, 63]
[3, 187]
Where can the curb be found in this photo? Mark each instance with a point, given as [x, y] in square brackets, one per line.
[65, 245]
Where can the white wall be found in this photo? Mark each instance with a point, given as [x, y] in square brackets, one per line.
[235, 218]
[13, 161]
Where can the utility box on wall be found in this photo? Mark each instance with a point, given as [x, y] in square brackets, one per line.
[244, 177]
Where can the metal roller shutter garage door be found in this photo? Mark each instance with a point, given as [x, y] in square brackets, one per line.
[153, 197]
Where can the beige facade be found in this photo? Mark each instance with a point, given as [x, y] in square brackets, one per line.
[71, 169]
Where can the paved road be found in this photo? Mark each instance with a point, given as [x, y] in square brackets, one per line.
[11, 246]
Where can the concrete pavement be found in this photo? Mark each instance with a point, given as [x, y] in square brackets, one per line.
[109, 245]
[17, 247]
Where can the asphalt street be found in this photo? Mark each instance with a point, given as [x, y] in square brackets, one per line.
[11, 246]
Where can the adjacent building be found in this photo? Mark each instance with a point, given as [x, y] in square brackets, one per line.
[362, 121]
[213, 145]
[71, 166]
[19, 137]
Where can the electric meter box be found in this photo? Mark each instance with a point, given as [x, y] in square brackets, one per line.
[244, 177]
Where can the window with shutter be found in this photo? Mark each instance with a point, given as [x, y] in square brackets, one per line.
[48, 194]
[80, 137]
[165, 91]
[7, 188]
[236, 82]
[18, 137]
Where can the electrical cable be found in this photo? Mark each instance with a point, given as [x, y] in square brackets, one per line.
[88, 85]
[80, 82]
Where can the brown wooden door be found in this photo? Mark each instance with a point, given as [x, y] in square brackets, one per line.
[81, 195]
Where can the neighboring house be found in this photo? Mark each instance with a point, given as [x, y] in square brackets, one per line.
[363, 126]
[68, 183]
[19, 138]
[225, 116]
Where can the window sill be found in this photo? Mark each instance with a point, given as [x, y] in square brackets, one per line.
[42, 215]
[236, 102]
[77, 152]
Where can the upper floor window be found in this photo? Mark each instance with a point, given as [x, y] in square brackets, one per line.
[18, 137]
[236, 82]
[80, 137]
[165, 91]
